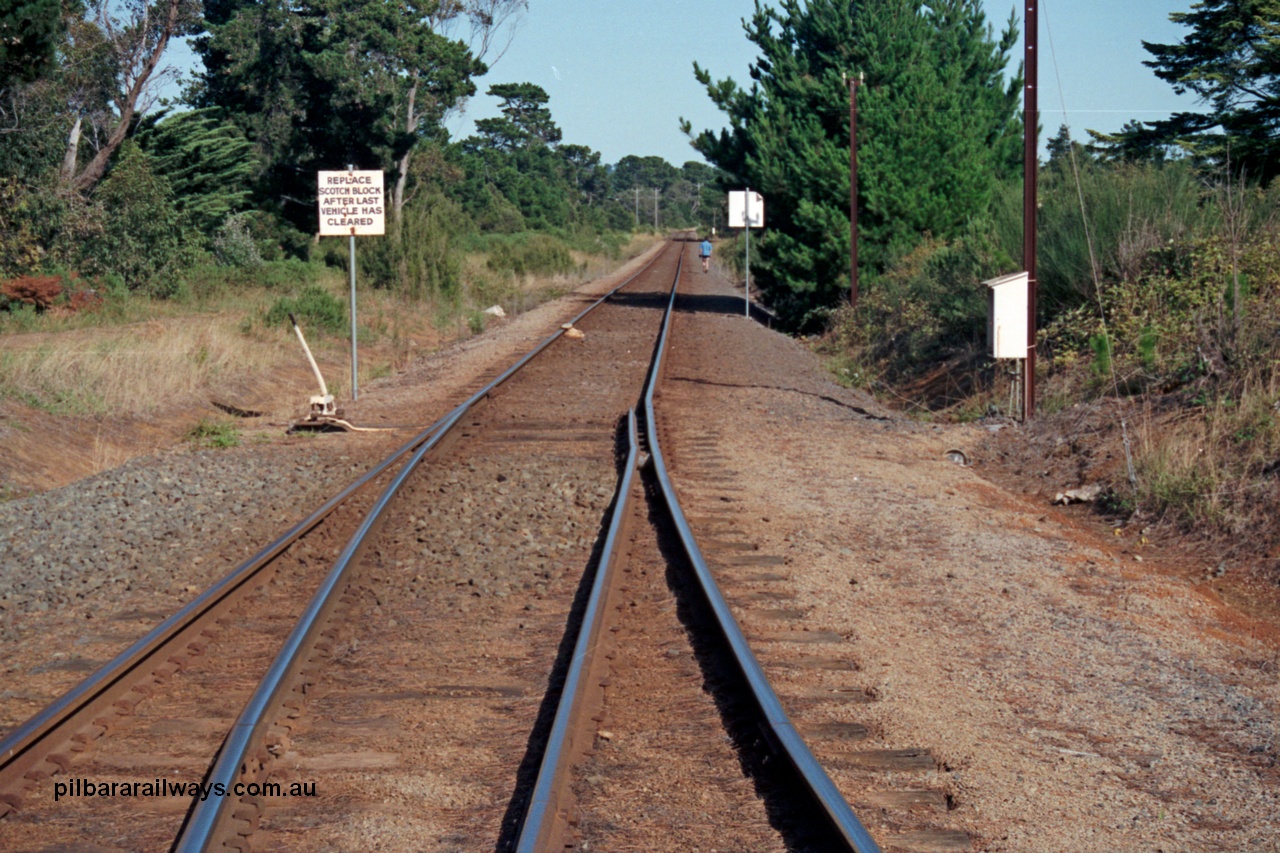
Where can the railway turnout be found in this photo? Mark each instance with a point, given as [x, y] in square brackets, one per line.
[504, 636]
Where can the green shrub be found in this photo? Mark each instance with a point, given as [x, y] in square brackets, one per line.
[1147, 348]
[314, 307]
[485, 288]
[276, 239]
[416, 258]
[210, 433]
[531, 254]
[234, 244]
[927, 304]
[1140, 218]
[207, 281]
[1101, 364]
[143, 238]
[287, 274]
[21, 250]
[594, 242]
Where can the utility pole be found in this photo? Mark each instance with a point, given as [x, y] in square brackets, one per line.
[655, 208]
[854, 82]
[637, 189]
[746, 284]
[1030, 165]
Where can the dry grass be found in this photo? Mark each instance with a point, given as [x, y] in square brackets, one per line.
[83, 393]
[519, 293]
[131, 369]
[193, 352]
[139, 356]
[1216, 467]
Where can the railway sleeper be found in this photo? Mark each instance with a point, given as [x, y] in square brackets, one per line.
[88, 734]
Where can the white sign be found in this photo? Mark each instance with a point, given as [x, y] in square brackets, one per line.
[351, 204]
[738, 210]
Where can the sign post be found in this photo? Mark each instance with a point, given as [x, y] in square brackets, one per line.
[746, 282]
[351, 204]
[746, 210]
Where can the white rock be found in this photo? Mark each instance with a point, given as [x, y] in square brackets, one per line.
[1082, 495]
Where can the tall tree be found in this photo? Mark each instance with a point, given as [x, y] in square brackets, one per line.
[518, 174]
[136, 36]
[647, 173]
[255, 71]
[525, 120]
[1231, 61]
[321, 83]
[937, 126]
[1134, 143]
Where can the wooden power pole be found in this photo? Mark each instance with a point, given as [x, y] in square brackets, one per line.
[1031, 117]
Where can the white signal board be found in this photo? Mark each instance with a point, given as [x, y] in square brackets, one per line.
[1007, 298]
[739, 208]
[351, 203]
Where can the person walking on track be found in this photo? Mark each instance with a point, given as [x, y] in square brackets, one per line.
[704, 252]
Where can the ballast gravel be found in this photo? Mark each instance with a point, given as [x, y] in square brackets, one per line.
[160, 524]
[500, 529]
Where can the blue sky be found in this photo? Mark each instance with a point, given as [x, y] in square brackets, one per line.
[620, 74]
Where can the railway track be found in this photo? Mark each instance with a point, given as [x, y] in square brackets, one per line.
[459, 678]
[125, 696]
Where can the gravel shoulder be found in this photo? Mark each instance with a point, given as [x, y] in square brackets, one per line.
[1078, 691]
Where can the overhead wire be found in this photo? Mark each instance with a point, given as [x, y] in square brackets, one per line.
[1093, 257]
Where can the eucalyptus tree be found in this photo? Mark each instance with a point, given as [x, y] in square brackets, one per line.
[134, 37]
[81, 75]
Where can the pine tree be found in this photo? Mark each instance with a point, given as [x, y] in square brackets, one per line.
[937, 130]
[206, 160]
[525, 118]
[1231, 61]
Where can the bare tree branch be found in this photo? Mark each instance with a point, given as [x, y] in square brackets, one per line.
[138, 43]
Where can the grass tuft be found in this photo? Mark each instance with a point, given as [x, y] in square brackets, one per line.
[209, 433]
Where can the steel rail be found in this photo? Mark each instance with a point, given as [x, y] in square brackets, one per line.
[16, 747]
[210, 817]
[539, 827]
[797, 752]
[22, 739]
